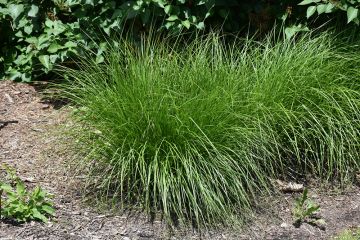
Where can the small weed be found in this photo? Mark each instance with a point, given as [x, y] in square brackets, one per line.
[304, 211]
[17, 203]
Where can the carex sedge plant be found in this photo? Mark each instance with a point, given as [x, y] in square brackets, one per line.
[197, 131]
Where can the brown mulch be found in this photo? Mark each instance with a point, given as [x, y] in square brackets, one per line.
[28, 143]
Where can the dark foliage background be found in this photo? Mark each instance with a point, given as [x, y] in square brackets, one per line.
[37, 34]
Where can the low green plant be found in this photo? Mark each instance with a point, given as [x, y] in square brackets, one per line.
[21, 205]
[304, 210]
[197, 131]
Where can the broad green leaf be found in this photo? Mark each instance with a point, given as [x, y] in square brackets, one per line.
[15, 10]
[311, 210]
[28, 29]
[200, 25]
[33, 11]
[48, 209]
[291, 31]
[186, 24]
[49, 23]
[70, 44]
[172, 18]
[306, 2]
[20, 188]
[161, 3]
[45, 60]
[167, 9]
[23, 22]
[310, 11]
[26, 77]
[53, 58]
[30, 51]
[37, 215]
[32, 40]
[54, 27]
[136, 7]
[19, 34]
[329, 7]
[352, 13]
[99, 59]
[54, 47]
[43, 41]
[40, 193]
[13, 75]
[4, 12]
[13, 197]
[168, 25]
[321, 8]
[6, 187]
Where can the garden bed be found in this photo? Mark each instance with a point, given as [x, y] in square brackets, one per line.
[29, 144]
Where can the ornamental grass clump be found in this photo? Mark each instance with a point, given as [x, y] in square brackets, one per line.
[197, 132]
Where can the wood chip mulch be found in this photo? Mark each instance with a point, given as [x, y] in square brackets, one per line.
[28, 143]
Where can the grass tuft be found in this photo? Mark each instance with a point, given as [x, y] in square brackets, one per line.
[197, 132]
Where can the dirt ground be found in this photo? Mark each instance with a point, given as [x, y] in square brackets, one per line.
[28, 143]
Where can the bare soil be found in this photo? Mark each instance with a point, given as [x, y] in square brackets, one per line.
[28, 143]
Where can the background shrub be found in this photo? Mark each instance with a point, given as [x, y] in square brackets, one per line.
[37, 34]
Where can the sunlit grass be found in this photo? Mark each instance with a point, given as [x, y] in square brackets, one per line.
[197, 131]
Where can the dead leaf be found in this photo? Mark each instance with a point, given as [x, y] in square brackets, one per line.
[290, 186]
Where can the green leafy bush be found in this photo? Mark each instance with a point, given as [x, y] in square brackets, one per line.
[350, 7]
[36, 35]
[21, 205]
[197, 132]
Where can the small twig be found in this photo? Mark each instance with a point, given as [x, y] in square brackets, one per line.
[5, 123]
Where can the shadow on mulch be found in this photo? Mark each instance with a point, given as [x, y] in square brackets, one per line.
[12, 222]
[49, 93]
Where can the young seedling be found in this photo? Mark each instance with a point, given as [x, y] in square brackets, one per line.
[21, 205]
[304, 211]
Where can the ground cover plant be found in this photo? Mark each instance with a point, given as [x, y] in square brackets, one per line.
[304, 211]
[19, 204]
[197, 132]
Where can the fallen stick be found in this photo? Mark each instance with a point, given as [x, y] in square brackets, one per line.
[5, 123]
